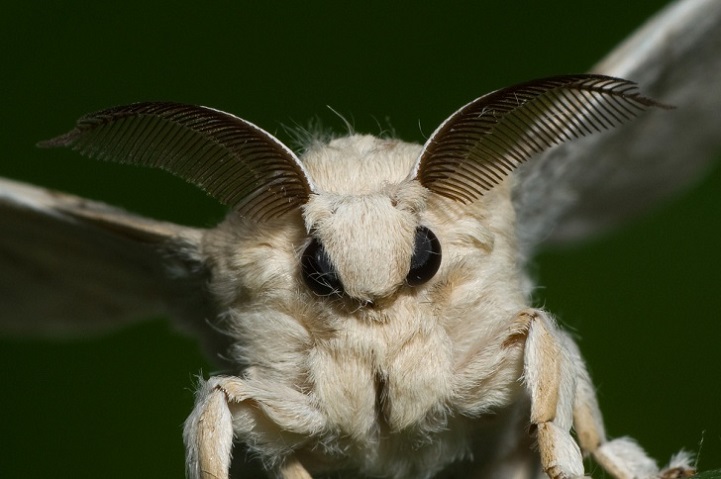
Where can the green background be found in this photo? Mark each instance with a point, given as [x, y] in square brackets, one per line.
[644, 301]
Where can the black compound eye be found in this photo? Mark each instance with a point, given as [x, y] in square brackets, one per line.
[318, 271]
[426, 257]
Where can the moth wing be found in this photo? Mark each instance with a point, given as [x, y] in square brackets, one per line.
[73, 266]
[588, 186]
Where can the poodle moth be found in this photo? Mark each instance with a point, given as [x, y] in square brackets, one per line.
[370, 295]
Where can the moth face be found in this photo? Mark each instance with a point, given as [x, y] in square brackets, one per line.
[367, 237]
[366, 247]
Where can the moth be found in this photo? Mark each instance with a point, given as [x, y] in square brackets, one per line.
[370, 296]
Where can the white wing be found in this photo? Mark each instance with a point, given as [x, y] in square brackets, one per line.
[75, 266]
[587, 186]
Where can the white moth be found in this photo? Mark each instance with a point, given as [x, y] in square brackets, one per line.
[370, 295]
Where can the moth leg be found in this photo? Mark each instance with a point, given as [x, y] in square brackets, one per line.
[623, 458]
[208, 432]
[226, 406]
[549, 377]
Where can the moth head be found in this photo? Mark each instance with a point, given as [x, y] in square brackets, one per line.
[365, 243]
[367, 246]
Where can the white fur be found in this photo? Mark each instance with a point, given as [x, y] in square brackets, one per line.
[390, 380]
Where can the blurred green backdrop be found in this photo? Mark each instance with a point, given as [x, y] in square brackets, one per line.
[645, 301]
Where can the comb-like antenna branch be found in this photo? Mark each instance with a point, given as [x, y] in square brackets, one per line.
[231, 159]
[484, 141]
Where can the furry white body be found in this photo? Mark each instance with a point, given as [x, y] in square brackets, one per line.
[395, 381]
